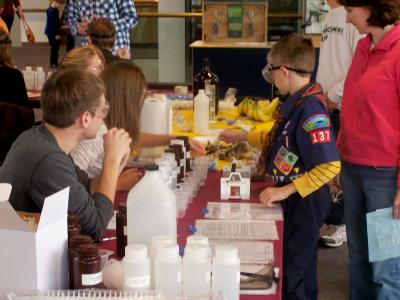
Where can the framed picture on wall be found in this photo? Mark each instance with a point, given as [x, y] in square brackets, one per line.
[315, 13]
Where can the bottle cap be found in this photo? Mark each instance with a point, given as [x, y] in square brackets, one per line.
[122, 207]
[87, 251]
[80, 239]
[136, 252]
[226, 254]
[168, 253]
[72, 220]
[160, 241]
[196, 253]
[197, 239]
[151, 167]
[39, 68]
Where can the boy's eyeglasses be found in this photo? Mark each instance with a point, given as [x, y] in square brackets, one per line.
[267, 71]
[103, 112]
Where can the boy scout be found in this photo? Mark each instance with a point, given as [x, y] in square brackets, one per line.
[301, 156]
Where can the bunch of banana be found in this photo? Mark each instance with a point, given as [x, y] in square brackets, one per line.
[260, 110]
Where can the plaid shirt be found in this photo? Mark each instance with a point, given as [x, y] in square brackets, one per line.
[121, 13]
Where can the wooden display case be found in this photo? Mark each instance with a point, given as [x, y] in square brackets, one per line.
[235, 21]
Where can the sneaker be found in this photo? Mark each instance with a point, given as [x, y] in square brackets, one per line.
[337, 238]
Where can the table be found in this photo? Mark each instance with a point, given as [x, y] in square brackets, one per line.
[210, 192]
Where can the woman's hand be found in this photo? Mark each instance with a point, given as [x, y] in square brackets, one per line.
[396, 206]
[232, 136]
[276, 194]
[196, 149]
[128, 178]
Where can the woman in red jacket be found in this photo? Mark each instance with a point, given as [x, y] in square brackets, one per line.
[369, 141]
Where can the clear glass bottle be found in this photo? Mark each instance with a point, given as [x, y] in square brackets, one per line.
[199, 81]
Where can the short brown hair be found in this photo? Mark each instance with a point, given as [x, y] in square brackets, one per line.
[5, 49]
[102, 32]
[69, 93]
[78, 58]
[295, 51]
[383, 12]
[125, 85]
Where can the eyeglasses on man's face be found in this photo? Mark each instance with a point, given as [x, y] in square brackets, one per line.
[102, 112]
[267, 71]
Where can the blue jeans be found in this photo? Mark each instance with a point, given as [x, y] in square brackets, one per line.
[367, 189]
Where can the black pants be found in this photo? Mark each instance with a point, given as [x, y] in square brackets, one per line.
[9, 20]
[303, 217]
[54, 47]
[70, 42]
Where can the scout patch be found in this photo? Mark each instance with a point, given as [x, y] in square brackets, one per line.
[285, 160]
[316, 122]
[320, 136]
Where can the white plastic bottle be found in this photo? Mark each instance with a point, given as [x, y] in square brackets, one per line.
[40, 78]
[201, 112]
[168, 271]
[136, 266]
[29, 78]
[226, 272]
[151, 208]
[157, 243]
[196, 272]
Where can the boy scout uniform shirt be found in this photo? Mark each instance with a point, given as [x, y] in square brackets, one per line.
[304, 139]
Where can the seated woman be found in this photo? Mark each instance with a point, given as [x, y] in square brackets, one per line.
[11, 77]
[126, 86]
[87, 58]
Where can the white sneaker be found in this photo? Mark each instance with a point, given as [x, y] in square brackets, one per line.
[337, 238]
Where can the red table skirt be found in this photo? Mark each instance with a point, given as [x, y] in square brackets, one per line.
[210, 192]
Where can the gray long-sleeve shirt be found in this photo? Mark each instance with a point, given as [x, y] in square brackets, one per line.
[36, 167]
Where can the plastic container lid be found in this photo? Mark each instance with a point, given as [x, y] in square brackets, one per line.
[196, 253]
[201, 91]
[197, 239]
[151, 167]
[160, 241]
[39, 68]
[136, 253]
[168, 253]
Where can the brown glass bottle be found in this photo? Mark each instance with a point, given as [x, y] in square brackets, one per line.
[121, 223]
[74, 242]
[178, 163]
[181, 155]
[187, 146]
[89, 262]
[74, 228]
[199, 82]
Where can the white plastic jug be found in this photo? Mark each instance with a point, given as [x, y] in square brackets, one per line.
[151, 208]
[201, 112]
[226, 272]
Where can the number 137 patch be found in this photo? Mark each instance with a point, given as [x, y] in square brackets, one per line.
[320, 136]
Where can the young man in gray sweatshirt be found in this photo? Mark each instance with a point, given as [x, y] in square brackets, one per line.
[38, 163]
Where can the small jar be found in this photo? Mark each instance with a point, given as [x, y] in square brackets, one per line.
[73, 256]
[74, 228]
[121, 224]
[185, 139]
[89, 262]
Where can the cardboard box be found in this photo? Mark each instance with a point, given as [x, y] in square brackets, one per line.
[34, 260]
